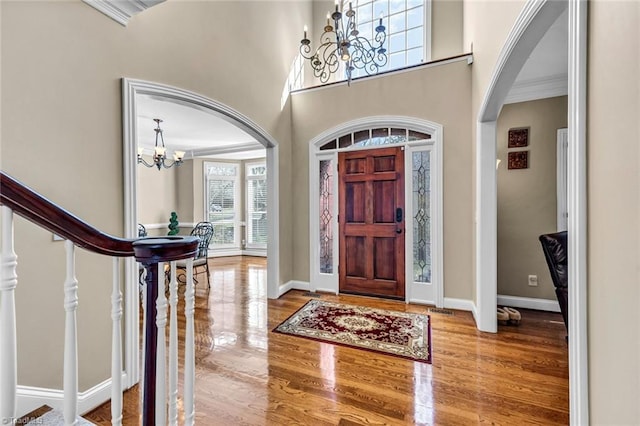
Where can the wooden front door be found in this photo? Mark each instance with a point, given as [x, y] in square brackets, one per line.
[371, 218]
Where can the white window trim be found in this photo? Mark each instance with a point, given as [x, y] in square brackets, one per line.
[247, 179]
[330, 282]
[236, 196]
[428, 31]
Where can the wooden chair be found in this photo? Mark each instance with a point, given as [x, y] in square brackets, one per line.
[204, 231]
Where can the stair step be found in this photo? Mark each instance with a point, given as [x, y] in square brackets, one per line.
[48, 416]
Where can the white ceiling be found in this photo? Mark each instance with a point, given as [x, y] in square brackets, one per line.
[546, 71]
[198, 131]
[551, 55]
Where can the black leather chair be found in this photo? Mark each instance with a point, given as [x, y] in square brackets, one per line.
[554, 247]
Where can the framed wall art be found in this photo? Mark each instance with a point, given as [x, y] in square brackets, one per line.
[518, 137]
[518, 160]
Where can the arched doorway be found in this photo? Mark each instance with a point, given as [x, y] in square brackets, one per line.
[130, 90]
[535, 19]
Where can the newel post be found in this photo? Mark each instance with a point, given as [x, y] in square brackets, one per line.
[152, 252]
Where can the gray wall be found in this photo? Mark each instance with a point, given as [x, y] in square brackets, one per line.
[439, 94]
[527, 197]
[62, 65]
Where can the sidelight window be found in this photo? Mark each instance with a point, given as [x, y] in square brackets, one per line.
[326, 216]
[421, 202]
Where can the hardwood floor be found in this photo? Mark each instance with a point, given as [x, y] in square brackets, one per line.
[247, 375]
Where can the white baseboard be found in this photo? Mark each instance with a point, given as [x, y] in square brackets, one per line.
[237, 252]
[302, 285]
[529, 303]
[459, 304]
[283, 288]
[294, 285]
[449, 303]
[222, 253]
[29, 398]
[422, 302]
[254, 252]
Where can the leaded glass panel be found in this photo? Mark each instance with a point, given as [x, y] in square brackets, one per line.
[326, 216]
[374, 137]
[421, 193]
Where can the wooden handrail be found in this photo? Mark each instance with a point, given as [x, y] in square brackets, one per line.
[151, 251]
[34, 207]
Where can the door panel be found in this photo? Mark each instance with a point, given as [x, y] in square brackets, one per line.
[383, 250]
[384, 201]
[371, 190]
[355, 207]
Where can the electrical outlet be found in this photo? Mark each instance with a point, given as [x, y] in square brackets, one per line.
[533, 280]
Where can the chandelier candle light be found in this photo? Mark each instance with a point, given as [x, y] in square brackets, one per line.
[160, 152]
[343, 42]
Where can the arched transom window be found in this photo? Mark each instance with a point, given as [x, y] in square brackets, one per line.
[374, 137]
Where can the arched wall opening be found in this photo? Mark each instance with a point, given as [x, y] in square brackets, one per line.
[130, 89]
[535, 19]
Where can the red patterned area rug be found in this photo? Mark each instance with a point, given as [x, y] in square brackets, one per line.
[402, 334]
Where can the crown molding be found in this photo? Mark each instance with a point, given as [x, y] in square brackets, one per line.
[203, 152]
[122, 11]
[539, 88]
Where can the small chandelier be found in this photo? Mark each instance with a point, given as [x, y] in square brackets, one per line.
[160, 152]
[342, 42]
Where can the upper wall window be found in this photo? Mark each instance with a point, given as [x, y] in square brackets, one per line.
[406, 23]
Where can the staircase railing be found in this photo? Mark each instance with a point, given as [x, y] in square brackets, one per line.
[153, 253]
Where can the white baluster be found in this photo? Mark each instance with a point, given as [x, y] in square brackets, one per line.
[189, 352]
[8, 358]
[161, 357]
[143, 306]
[173, 347]
[70, 339]
[116, 347]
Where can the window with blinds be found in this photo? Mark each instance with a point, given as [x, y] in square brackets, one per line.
[221, 203]
[256, 180]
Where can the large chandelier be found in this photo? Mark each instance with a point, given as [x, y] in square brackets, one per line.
[160, 152]
[342, 42]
